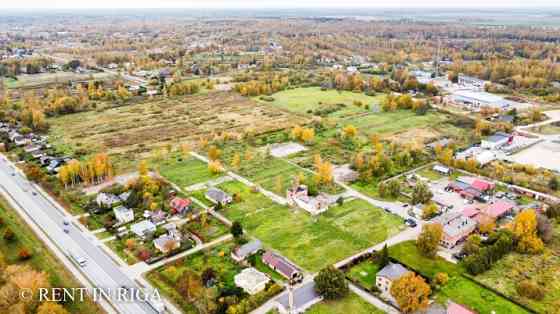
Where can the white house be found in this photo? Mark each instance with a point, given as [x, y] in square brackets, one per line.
[166, 243]
[143, 228]
[386, 276]
[251, 280]
[123, 214]
[299, 196]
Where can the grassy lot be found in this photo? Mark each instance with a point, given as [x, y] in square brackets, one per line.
[213, 229]
[304, 100]
[130, 133]
[547, 129]
[543, 269]
[42, 259]
[393, 122]
[186, 172]
[41, 79]
[311, 242]
[352, 303]
[364, 273]
[459, 289]
[119, 248]
[428, 173]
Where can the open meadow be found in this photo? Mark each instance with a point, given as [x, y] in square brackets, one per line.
[311, 242]
[132, 132]
[314, 100]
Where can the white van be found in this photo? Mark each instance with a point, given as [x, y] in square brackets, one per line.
[79, 259]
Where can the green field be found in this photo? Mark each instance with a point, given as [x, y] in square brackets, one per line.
[186, 172]
[36, 80]
[311, 242]
[303, 100]
[42, 259]
[393, 122]
[352, 303]
[459, 288]
[364, 273]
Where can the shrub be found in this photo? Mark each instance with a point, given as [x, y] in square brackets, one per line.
[24, 254]
[441, 279]
[9, 235]
[530, 289]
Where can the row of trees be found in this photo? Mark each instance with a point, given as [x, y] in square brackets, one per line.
[91, 171]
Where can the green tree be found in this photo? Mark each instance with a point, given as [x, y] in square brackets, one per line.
[236, 229]
[429, 238]
[421, 194]
[331, 283]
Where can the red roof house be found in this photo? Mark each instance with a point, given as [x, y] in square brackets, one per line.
[180, 205]
[454, 308]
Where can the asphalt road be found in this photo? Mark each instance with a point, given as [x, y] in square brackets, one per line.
[100, 269]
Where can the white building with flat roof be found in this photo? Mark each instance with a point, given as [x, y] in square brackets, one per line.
[251, 280]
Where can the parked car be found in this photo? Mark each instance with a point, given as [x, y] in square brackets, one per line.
[410, 222]
[459, 256]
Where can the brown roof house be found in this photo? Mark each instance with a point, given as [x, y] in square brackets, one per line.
[282, 266]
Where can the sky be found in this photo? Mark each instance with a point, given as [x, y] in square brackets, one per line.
[111, 4]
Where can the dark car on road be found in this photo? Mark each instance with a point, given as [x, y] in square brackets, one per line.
[410, 222]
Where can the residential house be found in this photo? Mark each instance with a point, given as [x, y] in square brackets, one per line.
[169, 241]
[304, 297]
[240, 253]
[218, 196]
[251, 280]
[31, 148]
[180, 205]
[107, 200]
[143, 228]
[282, 266]
[442, 169]
[123, 214]
[454, 308]
[157, 216]
[166, 243]
[299, 196]
[124, 196]
[385, 278]
[456, 228]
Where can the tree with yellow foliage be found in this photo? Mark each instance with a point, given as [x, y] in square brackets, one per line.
[307, 135]
[524, 229]
[214, 153]
[349, 131]
[143, 168]
[411, 293]
[215, 167]
[51, 308]
[236, 161]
